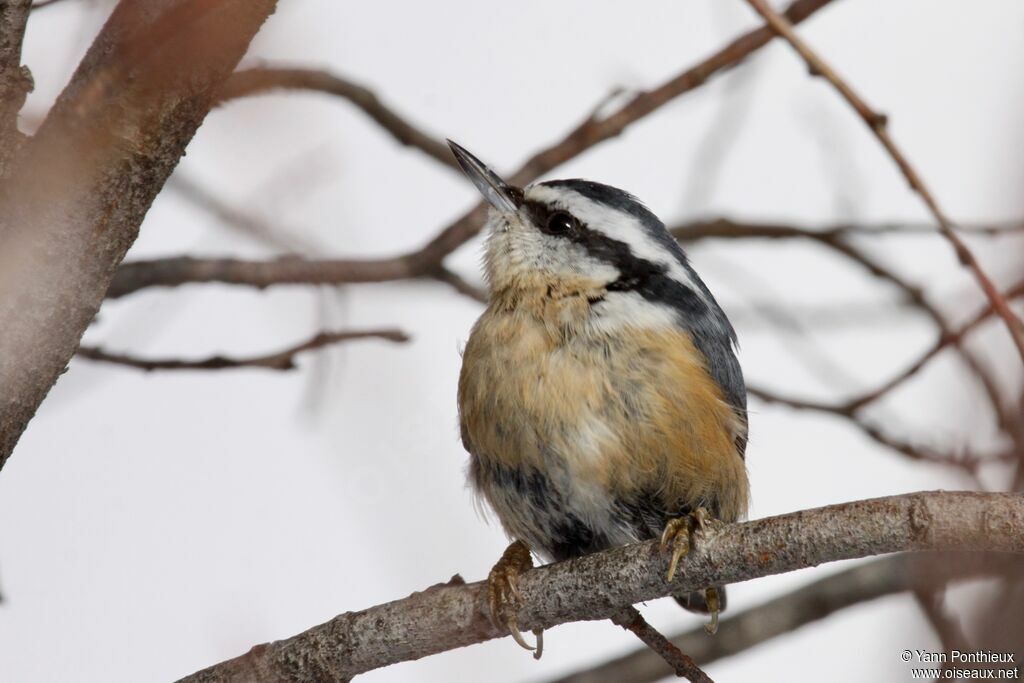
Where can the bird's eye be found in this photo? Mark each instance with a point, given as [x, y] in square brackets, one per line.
[559, 223]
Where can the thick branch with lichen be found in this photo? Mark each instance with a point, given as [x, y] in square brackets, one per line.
[448, 616]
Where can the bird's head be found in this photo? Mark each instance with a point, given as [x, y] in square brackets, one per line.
[577, 235]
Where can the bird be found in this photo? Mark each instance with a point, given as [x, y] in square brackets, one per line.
[600, 397]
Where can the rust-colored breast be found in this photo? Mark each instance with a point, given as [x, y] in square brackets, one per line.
[623, 414]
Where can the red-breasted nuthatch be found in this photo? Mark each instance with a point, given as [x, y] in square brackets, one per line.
[600, 398]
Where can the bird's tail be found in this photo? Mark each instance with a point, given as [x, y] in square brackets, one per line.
[697, 601]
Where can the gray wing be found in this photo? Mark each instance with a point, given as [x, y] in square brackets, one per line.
[725, 368]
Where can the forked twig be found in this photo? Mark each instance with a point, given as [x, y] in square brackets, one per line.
[878, 124]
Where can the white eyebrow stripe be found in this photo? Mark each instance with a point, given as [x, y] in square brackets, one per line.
[619, 226]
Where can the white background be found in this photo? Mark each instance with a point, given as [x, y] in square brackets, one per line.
[151, 525]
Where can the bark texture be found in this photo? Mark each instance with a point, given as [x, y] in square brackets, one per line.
[79, 189]
[15, 79]
[448, 616]
[806, 605]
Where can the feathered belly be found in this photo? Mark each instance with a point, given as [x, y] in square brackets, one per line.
[584, 445]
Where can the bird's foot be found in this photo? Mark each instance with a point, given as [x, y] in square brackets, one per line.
[682, 533]
[503, 593]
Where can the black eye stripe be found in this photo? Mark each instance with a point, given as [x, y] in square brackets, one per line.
[538, 212]
[647, 278]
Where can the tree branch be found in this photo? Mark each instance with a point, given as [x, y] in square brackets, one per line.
[592, 131]
[175, 271]
[280, 360]
[835, 239]
[849, 409]
[728, 228]
[285, 270]
[82, 184]
[805, 605]
[878, 124]
[425, 262]
[266, 79]
[460, 285]
[445, 617]
[967, 461]
[682, 664]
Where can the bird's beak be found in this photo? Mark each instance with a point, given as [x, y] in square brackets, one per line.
[496, 191]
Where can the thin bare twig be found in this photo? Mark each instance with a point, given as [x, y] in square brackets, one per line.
[683, 665]
[728, 228]
[260, 80]
[295, 248]
[178, 270]
[280, 360]
[459, 284]
[289, 269]
[834, 238]
[850, 406]
[915, 295]
[961, 458]
[600, 585]
[424, 262]
[878, 125]
[967, 461]
[295, 270]
[592, 130]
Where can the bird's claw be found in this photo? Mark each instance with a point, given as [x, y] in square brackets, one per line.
[714, 606]
[682, 533]
[503, 594]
